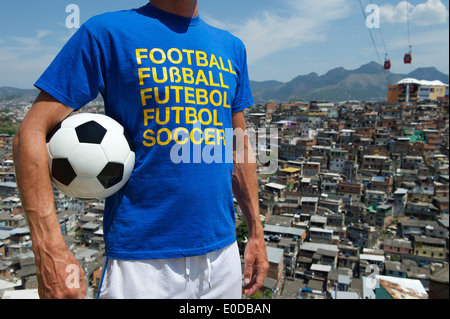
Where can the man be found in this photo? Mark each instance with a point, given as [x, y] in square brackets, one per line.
[171, 80]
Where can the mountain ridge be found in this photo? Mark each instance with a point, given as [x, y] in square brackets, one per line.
[369, 82]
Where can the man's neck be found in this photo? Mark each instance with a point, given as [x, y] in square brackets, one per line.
[184, 8]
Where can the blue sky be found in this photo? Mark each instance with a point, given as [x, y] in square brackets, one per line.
[284, 38]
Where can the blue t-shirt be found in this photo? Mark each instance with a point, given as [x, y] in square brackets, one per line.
[173, 83]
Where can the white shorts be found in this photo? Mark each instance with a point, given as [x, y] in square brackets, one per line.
[217, 275]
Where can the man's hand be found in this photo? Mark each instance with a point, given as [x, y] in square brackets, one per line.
[256, 266]
[59, 275]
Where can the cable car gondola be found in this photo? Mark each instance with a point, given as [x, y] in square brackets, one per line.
[408, 58]
[387, 63]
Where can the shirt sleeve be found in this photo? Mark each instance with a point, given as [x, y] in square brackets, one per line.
[243, 98]
[75, 76]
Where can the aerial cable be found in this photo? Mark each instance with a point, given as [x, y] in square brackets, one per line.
[407, 23]
[371, 36]
[381, 34]
[408, 56]
[387, 61]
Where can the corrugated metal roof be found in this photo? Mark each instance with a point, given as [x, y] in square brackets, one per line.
[283, 230]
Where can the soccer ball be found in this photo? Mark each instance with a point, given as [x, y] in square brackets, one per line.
[90, 156]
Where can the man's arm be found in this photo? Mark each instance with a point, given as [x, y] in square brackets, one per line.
[245, 189]
[55, 265]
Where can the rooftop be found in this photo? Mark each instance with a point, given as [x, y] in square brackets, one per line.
[276, 186]
[274, 254]
[421, 82]
[284, 230]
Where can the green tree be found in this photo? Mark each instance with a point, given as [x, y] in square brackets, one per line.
[242, 232]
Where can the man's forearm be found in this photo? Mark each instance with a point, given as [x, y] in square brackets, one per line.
[245, 183]
[32, 173]
[36, 194]
[245, 189]
[35, 189]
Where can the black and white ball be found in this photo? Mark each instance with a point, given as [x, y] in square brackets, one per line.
[90, 156]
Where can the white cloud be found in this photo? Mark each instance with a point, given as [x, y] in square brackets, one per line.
[295, 23]
[428, 13]
[32, 43]
[431, 12]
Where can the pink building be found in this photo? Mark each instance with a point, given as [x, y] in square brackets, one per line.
[397, 246]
